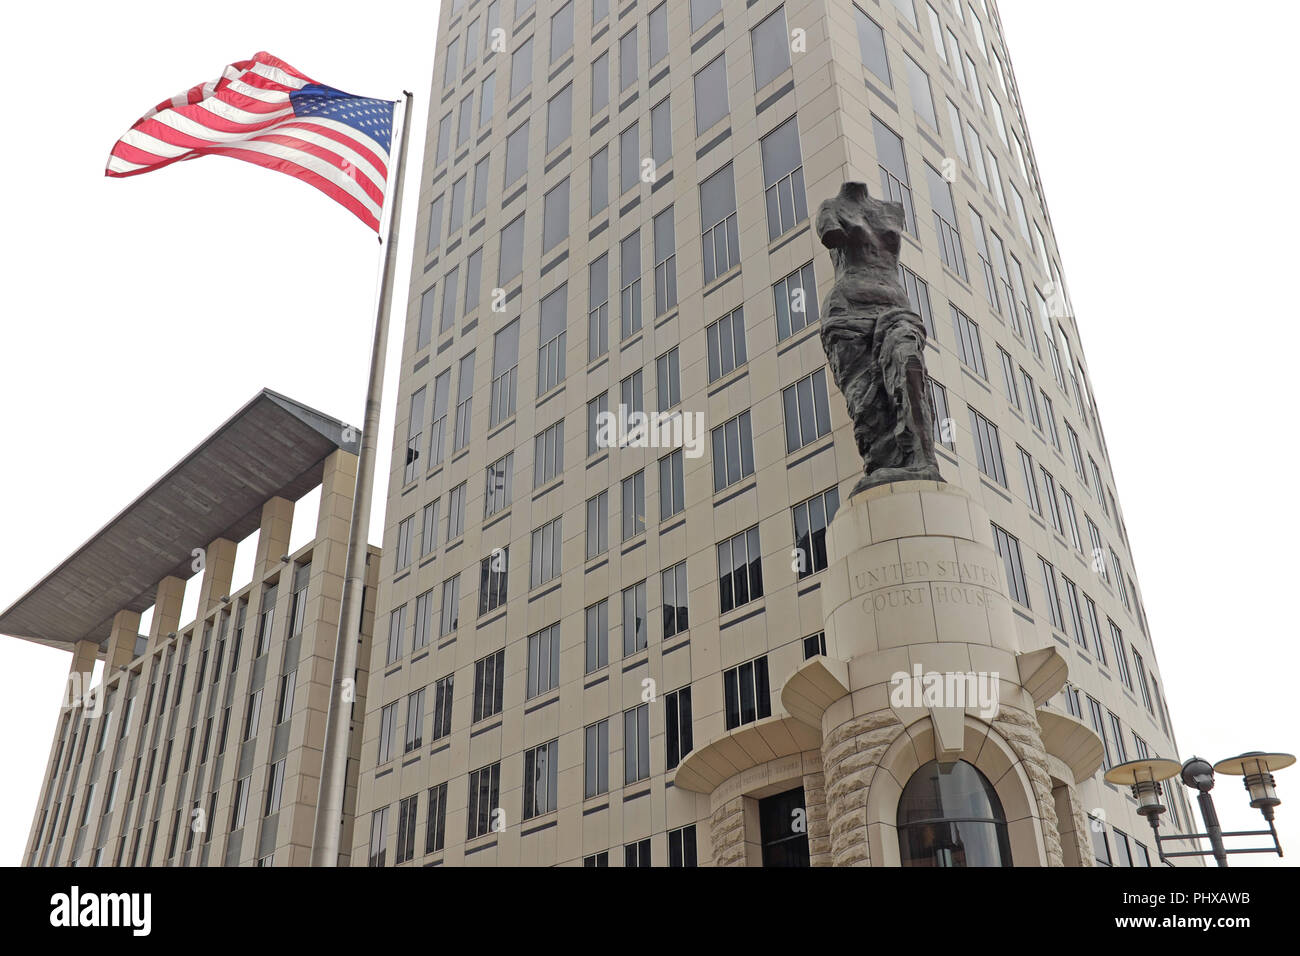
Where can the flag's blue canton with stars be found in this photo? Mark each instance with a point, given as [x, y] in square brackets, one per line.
[370, 117]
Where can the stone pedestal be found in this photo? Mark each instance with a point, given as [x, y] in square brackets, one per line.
[915, 602]
[923, 663]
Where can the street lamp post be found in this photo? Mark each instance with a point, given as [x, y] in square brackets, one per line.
[1145, 777]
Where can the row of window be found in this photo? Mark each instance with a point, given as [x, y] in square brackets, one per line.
[769, 43]
[1062, 514]
[1004, 284]
[794, 303]
[485, 817]
[738, 560]
[771, 58]
[746, 696]
[541, 763]
[740, 577]
[806, 412]
[989, 452]
[990, 250]
[785, 201]
[724, 349]
[1128, 851]
[807, 418]
[970, 352]
[871, 38]
[1081, 611]
[701, 11]
[681, 851]
[941, 193]
[1110, 729]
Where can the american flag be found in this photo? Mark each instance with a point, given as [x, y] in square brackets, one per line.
[264, 111]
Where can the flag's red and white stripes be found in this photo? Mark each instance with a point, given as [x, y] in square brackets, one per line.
[247, 114]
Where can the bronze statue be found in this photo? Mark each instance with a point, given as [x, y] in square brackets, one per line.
[874, 341]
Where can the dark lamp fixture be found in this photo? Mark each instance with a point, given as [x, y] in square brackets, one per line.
[1143, 778]
[1256, 769]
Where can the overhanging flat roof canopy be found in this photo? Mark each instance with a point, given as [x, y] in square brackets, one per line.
[273, 446]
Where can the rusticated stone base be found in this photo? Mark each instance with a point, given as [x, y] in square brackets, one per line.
[1022, 733]
[850, 754]
[727, 833]
[734, 827]
[1081, 824]
[819, 828]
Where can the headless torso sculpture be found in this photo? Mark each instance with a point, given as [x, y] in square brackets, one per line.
[874, 341]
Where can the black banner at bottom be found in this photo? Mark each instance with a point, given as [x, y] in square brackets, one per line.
[128, 907]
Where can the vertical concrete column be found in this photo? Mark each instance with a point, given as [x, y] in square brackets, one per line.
[84, 655]
[337, 487]
[218, 570]
[121, 641]
[168, 598]
[316, 661]
[273, 538]
[121, 650]
[329, 557]
[166, 610]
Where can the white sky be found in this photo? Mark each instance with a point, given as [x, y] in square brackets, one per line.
[139, 314]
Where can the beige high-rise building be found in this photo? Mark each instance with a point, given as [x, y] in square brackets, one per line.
[627, 612]
[200, 742]
[621, 655]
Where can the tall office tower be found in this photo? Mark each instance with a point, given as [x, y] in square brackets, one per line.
[201, 742]
[588, 647]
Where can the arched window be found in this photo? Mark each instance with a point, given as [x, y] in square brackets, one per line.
[950, 815]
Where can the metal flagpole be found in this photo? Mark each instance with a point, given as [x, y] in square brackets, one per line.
[334, 761]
